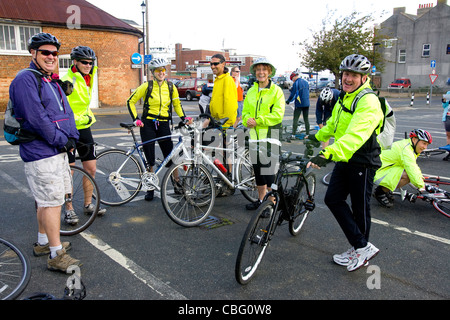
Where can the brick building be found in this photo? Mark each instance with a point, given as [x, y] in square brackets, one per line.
[74, 22]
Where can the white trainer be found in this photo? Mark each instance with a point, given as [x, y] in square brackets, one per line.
[361, 256]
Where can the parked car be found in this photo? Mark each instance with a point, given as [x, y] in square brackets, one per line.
[244, 83]
[400, 84]
[191, 88]
[282, 82]
[320, 85]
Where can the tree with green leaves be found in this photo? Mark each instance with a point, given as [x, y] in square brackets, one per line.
[338, 39]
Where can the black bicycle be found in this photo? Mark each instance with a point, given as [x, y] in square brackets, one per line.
[15, 270]
[293, 194]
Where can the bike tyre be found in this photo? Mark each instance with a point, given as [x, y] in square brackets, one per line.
[442, 206]
[9, 252]
[108, 162]
[253, 244]
[301, 214]
[192, 204]
[80, 178]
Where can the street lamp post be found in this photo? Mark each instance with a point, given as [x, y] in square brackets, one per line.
[143, 9]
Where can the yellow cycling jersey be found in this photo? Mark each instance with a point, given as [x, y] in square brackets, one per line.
[158, 104]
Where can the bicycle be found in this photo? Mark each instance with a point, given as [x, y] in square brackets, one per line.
[121, 175]
[15, 270]
[427, 153]
[439, 198]
[436, 180]
[293, 191]
[189, 200]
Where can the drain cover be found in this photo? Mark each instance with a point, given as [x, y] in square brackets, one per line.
[214, 222]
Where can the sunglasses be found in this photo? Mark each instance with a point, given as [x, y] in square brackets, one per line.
[215, 63]
[48, 52]
[161, 69]
[86, 62]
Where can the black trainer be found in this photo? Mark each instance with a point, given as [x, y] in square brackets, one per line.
[149, 195]
[253, 206]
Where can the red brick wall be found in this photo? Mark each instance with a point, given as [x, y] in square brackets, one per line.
[113, 51]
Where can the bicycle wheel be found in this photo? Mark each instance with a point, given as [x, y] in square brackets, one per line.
[432, 152]
[254, 244]
[326, 178]
[84, 192]
[442, 206]
[15, 270]
[300, 212]
[118, 176]
[246, 177]
[188, 200]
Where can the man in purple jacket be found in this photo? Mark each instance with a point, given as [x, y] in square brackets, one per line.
[43, 109]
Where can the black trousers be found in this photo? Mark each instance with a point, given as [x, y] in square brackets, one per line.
[356, 181]
[155, 129]
[297, 112]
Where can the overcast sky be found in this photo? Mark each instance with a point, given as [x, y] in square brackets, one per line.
[260, 27]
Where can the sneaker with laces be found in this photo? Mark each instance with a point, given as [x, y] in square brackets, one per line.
[89, 209]
[383, 198]
[42, 250]
[71, 217]
[62, 261]
[345, 258]
[361, 256]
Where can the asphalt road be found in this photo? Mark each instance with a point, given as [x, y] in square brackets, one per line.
[135, 252]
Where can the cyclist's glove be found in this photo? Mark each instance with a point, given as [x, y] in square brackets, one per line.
[312, 141]
[70, 144]
[320, 161]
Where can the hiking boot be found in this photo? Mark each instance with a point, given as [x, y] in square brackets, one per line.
[253, 206]
[149, 195]
[71, 217]
[383, 198]
[62, 261]
[89, 209]
[361, 256]
[42, 250]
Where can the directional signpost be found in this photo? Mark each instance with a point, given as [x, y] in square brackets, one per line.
[433, 76]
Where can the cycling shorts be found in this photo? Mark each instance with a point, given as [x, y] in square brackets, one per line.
[85, 147]
[49, 180]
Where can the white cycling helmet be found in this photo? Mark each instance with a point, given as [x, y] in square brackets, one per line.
[326, 95]
[355, 63]
[157, 63]
[262, 61]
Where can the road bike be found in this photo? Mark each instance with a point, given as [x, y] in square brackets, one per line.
[293, 194]
[427, 153]
[121, 175]
[84, 191]
[190, 199]
[439, 198]
[15, 270]
[436, 180]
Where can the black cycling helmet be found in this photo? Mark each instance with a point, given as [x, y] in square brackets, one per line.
[356, 63]
[82, 52]
[40, 39]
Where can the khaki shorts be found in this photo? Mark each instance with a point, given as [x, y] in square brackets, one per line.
[49, 180]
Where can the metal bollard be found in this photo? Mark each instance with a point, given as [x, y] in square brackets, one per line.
[412, 99]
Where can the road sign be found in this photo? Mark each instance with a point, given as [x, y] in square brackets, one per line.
[374, 69]
[147, 58]
[433, 78]
[433, 63]
[136, 58]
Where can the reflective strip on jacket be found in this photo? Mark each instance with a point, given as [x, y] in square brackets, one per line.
[353, 133]
[401, 157]
[80, 98]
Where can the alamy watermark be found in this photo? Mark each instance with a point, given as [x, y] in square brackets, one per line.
[374, 280]
[74, 19]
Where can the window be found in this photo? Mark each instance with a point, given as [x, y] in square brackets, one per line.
[64, 61]
[14, 39]
[402, 56]
[426, 50]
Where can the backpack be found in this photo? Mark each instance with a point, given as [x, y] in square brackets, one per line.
[149, 95]
[387, 131]
[12, 128]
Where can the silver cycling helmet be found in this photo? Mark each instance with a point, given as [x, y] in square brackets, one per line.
[356, 63]
[157, 63]
[326, 95]
[421, 135]
[262, 61]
